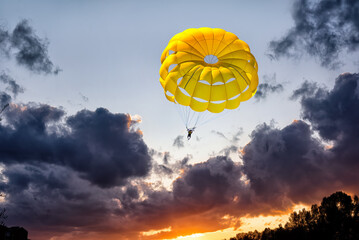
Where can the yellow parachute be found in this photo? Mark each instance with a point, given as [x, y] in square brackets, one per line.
[208, 69]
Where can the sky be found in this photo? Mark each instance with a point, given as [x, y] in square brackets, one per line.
[90, 148]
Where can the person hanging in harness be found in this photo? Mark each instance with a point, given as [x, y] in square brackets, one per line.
[190, 131]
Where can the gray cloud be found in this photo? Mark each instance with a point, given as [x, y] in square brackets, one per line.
[87, 142]
[322, 29]
[235, 137]
[268, 86]
[29, 50]
[306, 89]
[4, 99]
[291, 163]
[12, 86]
[83, 97]
[89, 166]
[45, 196]
[233, 142]
[265, 88]
[220, 134]
[4, 41]
[166, 157]
[283, 163]
[178, 142]
[334, 114]
[207, 184]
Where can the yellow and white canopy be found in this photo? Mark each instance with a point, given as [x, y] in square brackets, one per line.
[208, 69]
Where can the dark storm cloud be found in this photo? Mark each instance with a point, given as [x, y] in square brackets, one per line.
[198, 196]
[178, 142]
[82, 172]
[60, 173]
[206, 184]
[284, 163]
[4, 99]
[12, 86]
[87, 142]
[322, 29]
[269, 86]
[29, 50]
[292, 163]
[50, 196]
[334, 114]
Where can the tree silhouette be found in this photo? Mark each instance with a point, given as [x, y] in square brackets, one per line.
[337, 218]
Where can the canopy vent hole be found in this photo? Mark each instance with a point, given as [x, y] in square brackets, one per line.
[211, 59]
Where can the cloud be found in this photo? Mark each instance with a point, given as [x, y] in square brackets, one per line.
[196, 202]
[29, 50]
[46, 196]
[307, 89]
[4, 99]
[235, 137]
[334, 114]
[178, 142]
[206, 184]
[83, 97]
[4, 41]
[12, 86]
[85, 174]
[322, 29]
[61, 199]
[64, 166]
[292, 164]
[282, 164]
[269, 86]
[233, 142]
[99, 145]
[220, 134]
[166, 157]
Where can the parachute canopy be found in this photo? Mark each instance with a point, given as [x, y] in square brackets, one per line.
[208, 69]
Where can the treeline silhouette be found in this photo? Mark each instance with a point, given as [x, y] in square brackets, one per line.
[337, 218]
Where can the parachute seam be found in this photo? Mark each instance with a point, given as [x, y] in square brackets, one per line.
[205, 42]
[195, 90]
[212, 42]
[219, 42]
[200, 54]
[191, 77]
[182, 78]
[229, 44]
[238, 51]
[198, 43]
[224, 86]
[234, 67]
